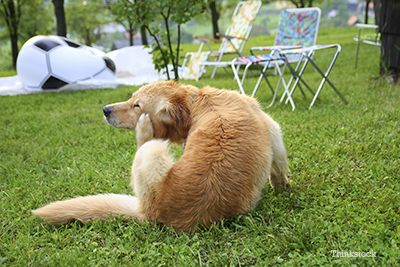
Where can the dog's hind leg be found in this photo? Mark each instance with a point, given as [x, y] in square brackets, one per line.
[150, 166]
[280, 166]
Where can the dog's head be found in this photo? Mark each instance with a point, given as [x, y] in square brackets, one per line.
[167, 103]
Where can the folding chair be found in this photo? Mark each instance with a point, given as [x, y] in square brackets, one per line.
[234, 39]
[297, 28]
[366, 39]
[194, 70]
[307, 54]
[258, 60]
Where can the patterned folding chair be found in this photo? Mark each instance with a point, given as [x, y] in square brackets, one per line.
[235, 37]
[297, 28]
[194, 69]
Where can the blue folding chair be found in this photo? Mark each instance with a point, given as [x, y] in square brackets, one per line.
[297, 28]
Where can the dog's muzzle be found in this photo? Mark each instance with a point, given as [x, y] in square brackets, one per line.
[107, 111]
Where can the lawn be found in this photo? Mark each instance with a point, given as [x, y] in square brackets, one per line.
[344, 162]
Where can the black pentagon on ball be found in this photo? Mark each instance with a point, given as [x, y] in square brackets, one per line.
[72, 43]
[53, 83]
[109, 63]
[46, 44]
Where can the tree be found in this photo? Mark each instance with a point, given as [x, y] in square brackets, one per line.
[84, 18]
[60, 17]
[211, 10]
[214, 18]
[149, 14]
[11, 11]
[23, 20]
[124, 15]
[40, 20]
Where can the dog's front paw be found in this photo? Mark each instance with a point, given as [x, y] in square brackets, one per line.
[144, 130]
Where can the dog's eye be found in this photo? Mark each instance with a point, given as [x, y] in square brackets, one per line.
[136, 105]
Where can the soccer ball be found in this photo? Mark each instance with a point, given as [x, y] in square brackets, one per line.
[50, 62]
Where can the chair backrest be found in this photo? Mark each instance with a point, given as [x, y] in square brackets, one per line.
[194, 69]
[240, 26]
[298, 26]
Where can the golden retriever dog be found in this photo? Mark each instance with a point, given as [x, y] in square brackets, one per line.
[231, 149]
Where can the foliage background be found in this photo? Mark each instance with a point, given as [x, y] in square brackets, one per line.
[83, 22]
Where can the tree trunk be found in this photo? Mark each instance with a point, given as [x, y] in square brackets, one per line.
[366, 10]
[214, 18]
[60, 16]
[131, 34]
[12, 21]
[376, 11]
[389, 27]
[143, 35]
[131, 30]
[14, 47]
[88, 39]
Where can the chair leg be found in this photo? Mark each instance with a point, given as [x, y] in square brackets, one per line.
[244, 72]
[262, 75]
[277, 87]
[285, 86]
[309, 58]
[358, 45]
[201, 47]
[226, 70]
[237, 78]
[213, 73]
[325, 78]
[281, 80]
[215, 69]
[294, 75]
[298, 77]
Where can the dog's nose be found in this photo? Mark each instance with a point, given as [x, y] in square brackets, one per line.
[107, 111]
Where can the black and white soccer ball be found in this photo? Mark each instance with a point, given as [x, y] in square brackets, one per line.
[50, 62]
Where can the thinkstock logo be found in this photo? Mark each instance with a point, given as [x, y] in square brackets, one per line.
[352, 254]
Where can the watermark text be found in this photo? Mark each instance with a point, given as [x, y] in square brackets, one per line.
[353, 254]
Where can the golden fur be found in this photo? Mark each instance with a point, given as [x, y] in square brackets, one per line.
[232, 148]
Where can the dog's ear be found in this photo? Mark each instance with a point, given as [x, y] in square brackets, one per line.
[176, 111]
[162, 112]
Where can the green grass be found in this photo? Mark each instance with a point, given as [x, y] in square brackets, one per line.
[7, 73]
[344, 162]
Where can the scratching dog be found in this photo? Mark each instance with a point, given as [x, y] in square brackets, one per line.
[231, 150]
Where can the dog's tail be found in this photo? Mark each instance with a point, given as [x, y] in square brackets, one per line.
[98, 207]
